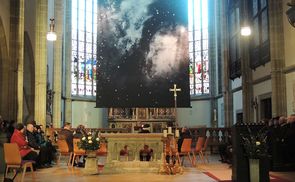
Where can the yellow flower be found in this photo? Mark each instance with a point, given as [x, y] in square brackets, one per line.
[84, 138]
[257, 143]
[97, 139]
[90, 141]
[89, 138]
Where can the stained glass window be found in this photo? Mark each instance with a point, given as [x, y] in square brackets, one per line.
[198, 46]
[84, 34]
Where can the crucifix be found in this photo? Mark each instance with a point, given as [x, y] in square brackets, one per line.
[175, 90]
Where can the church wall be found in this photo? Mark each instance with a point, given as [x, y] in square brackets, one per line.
[220, 112]
[30, 20]
[289, 35]
[85, 113]
[237, 104]
[290, 87]
[259, 90]
[5, 16]
[197, 116]
[261, 71]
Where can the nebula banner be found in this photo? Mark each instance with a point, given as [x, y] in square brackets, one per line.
[142, 51]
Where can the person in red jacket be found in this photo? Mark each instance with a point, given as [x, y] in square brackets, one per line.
[25, 150]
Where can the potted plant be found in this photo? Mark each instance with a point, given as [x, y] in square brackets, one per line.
[255, 148]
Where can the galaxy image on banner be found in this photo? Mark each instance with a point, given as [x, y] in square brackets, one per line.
[142, 50]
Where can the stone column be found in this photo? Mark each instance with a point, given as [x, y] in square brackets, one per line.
[247, 89]
[41, 61]
[16, 52]
[212, 52]
[57, 64]
[68, 59]
[227, 94]
[277, 58]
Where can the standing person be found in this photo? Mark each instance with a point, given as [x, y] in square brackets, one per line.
[25, 150]
[67, 134]
[80, 132]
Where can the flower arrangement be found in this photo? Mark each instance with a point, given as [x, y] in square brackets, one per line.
[91, 141]
[254, 144]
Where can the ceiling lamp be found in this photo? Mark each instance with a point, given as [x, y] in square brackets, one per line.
[51, 35]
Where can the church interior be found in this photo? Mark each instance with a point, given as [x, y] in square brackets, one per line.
[153, 90]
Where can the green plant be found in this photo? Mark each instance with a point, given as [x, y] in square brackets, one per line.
[255, 143]
[91, 141]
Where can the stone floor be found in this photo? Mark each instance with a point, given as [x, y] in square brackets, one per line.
[191, 174]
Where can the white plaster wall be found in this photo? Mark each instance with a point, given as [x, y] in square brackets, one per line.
[198, 115]
[220, 112]
[5, 16]
[290, 87]
[237, 104]
[261, 71]
[85, 113]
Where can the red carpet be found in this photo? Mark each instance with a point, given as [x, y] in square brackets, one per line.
[272, 178]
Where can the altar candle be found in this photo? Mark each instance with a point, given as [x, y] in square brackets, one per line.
[169, 130]
[177, 133]
[165, 133]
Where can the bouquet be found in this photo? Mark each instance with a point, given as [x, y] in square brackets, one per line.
[255, 144]
[91, 141]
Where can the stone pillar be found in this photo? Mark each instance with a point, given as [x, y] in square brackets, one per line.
[227, 94]
[247, 89]
[16, 52]
[41, 61]
[212, 52]
[68, 59]
[277, 58]
[57, 64]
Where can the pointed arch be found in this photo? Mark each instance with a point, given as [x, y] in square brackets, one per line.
[4, 72]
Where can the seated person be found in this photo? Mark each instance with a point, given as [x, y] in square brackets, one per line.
[124, 152]
[80, 132]
[43, 156]
[225, 151]
[25, 150]
[146, 153]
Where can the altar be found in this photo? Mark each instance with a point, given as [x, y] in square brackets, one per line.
[130, 161]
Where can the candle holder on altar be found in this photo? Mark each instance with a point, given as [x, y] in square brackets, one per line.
[171, 159]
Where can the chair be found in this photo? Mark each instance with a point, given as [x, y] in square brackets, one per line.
[198, 149]
[63, 149]
[77, 152]
[204, 149]
[186, 149]
[13, 159]
[102, 151]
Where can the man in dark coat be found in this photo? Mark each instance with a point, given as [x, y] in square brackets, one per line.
[67, 134]
[44, 154]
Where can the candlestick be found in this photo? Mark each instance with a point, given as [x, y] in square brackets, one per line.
[165, 133]
[169, 130]
[177, 133]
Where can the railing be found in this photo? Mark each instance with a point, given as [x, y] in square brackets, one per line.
[50, 132]
[217, 136]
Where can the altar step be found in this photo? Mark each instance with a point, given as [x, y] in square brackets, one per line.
[132, 167]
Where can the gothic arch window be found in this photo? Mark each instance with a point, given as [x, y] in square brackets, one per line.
[234, 38]
[198, 47]
[259, 45]
[84, 35]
